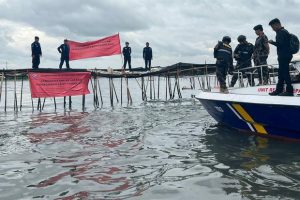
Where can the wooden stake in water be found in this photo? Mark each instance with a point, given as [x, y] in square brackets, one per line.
[21, 98]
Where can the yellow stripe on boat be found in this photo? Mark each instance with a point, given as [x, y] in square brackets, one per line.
[259, 128]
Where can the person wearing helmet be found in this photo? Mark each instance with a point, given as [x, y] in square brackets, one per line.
[224, 63]
[242, 54]
[260, 54]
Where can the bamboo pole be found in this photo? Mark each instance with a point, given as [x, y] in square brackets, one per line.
[15, 95]
[21, 98]
[100, 92]
[54, 103]
[5, 102]
[2, 77]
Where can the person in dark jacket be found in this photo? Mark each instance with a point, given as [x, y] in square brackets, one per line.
[284, 58]
[64, 50]
[36, 53]
[127, 55]
[260, 54]
[242, 54]
[224, 63]
[147, 55]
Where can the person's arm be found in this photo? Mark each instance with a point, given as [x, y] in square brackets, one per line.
[129, 50]
[144, 52]
[40, 49]
[59, 48]
[150, 53]
[32, 50]
[216, 49]
[236, 54]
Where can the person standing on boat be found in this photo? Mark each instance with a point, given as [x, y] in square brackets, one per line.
[147, 55]
[64, 50]
[36, 53]
[260, 54]
[284, 58]
[127, 55]
[224, 63]
[243, 53]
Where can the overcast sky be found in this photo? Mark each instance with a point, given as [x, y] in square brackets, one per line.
[177, 30]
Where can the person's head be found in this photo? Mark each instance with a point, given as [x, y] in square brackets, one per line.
[242, 39]
[226, 39]
[275, 24]
[147, 44]
[258, 29]
[36, 38]
[126, 44]
[65, 41]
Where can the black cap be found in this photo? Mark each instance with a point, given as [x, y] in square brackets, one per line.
[274, 21]
[65, 40]
[258, 27]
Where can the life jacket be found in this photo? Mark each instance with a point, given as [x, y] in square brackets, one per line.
[223, 52]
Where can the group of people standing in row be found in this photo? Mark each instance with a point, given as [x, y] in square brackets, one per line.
[36, 53]
[259, 52]
[64, 50]
[147, 56]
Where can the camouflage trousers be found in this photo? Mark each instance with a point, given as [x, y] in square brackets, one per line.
[263, 72]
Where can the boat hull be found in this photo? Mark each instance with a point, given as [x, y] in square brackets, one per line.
[271, 120]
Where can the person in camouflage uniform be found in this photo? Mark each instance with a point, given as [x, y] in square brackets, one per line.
[223, 54]
[260, 54]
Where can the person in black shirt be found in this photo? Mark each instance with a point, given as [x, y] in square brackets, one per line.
[36, 53]
[224, 63]
[127, 55]
[284, 58]
[64, 50]
[242, 54]
[147, 55]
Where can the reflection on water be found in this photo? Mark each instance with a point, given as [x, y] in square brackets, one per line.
[155, 150]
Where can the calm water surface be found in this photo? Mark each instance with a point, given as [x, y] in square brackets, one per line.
[153, 150]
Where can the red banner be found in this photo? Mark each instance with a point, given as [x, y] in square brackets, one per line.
[59, 84]
[104, 47]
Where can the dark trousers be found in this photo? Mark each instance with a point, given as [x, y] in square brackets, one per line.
[284, 75]
[221, 72]
[127, 60]
[236, 76]
[62, 60]
[35, 61]
[148, 64]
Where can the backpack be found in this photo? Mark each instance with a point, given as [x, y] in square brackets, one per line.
[294, 44]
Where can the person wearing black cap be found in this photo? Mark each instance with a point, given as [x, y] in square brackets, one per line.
[64, 50]
[147, 55]
[260, 54]
[224, 63]
[242, 54]
[36, 53]
[127, 55]
[284, 58]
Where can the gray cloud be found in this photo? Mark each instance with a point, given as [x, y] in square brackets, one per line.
[178, 30]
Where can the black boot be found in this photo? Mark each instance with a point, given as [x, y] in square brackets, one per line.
[275, 93]
[286, 93]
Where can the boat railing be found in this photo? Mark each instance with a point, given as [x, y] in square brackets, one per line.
[209, 81]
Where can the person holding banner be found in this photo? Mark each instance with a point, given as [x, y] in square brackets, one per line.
[127, 56]
[64, 50]
[36, 53]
